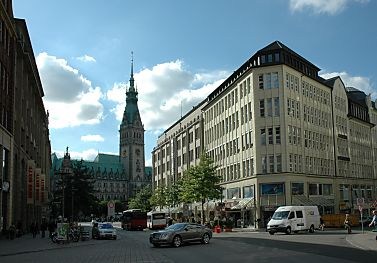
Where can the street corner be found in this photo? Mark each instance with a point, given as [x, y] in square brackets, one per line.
[364, 241]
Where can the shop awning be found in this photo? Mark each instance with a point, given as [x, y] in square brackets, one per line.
[315, 200]
[244, 204]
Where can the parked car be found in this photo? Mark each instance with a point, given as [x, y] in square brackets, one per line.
[104, 230]
[180, 233]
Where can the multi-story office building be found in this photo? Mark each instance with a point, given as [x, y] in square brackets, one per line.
[280, 134]
[24, 135]
[179, 147]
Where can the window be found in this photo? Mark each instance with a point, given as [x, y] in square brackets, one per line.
[299, 214]
[277, 135]
[277, 57]
[274, 80]
[261, 107]
[263, 136]
[278, 163]
[271, 162]
[270, 136]
[268, 80]
[276, 107]
[261, 84]
[269, 107]
[264, 164]
[297, 188]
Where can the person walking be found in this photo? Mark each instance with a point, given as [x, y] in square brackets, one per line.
[43, 228]
[374, 220]
[347, 224]
[321, 224]
[33, 229]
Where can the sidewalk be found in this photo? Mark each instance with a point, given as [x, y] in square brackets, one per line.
[365, 241]
[28, 244]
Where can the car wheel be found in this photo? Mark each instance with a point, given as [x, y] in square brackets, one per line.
[205, 238]
[288, 231]
[271, 232]
[177, 241]
[311, 229]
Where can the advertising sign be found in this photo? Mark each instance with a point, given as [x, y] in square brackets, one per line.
[272, 189]
[30, 181]
[37, 175]
[62, 230]
[43, 178]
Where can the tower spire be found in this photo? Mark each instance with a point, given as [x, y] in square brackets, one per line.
[132, 80]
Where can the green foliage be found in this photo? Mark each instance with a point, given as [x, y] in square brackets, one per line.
[141, 200]
[78, 192]
[200, 183]
[158, 197]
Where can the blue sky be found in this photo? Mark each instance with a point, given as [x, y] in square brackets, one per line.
[182, 51]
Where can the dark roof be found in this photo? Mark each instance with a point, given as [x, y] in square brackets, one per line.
[251, 63]
[277, 45]
[356, 96]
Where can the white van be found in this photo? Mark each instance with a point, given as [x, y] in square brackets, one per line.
[294, 218]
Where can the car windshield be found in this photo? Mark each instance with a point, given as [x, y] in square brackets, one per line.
[280, 215]
[177, 226]
[106, 226]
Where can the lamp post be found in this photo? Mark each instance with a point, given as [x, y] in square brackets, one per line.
[63, 172]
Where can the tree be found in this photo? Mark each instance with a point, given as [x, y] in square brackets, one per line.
[76, 191]
[158, 197]
[173, 193]
[201, 183]
[141, 200]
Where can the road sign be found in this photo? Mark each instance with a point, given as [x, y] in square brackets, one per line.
[360, 201]
[110, 208]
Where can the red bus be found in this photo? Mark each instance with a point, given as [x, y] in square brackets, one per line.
[134, 219]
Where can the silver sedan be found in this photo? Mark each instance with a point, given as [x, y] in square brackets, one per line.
[180, 233]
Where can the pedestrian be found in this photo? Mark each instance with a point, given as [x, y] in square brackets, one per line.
[374, 220]
[347, 224]
[33, 229]
[43, 228]
[51, 228]
[321, 224]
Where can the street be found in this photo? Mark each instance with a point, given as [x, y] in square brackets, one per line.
[133, 246]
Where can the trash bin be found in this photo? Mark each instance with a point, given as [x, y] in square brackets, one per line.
[217, 229]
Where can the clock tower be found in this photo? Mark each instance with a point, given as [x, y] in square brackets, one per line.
[131, 145]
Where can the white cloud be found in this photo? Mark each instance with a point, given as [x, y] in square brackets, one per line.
[164, 90]
[69, 97]
[330, 7]
[86, 58]
[92, 138]
[358, 82]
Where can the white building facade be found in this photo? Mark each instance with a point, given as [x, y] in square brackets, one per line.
[280, 134]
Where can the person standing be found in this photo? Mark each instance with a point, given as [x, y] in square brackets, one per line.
[43, 228]
[347, 223]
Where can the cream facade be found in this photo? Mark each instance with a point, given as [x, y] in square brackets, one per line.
[280, 134]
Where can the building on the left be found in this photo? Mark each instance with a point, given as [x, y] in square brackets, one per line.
[25, 149]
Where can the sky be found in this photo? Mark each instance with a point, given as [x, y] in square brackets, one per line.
[182, 51]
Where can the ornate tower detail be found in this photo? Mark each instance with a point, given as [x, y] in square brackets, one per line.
[131, 147]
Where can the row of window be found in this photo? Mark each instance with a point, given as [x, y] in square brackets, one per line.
[233, 171]
[316, 116]
[312, 92]
[269, 107]
[316, 140]
[340, 104]
[293, 108]
[271, 163]
[268, 80]
[273, 135]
